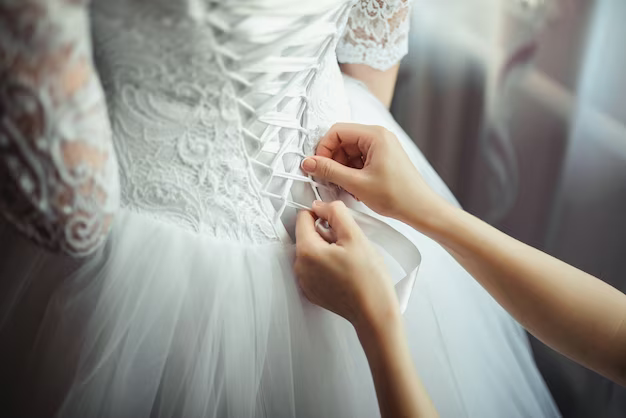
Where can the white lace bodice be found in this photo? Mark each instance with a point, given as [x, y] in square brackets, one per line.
[212, 105]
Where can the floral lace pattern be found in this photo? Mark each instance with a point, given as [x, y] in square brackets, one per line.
[176, 125]
[209, 108]
[58, 175]
[207, 129]
[376, 33]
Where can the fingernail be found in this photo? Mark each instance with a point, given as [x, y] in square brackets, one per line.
[317, 203]
[309, 165]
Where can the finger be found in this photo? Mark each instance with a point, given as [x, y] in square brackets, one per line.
[325, 169]
[306, 234]
[354, 138]
[339, 219]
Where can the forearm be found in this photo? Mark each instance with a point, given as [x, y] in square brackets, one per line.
[398, 388]
[573, 312]
[381, 83]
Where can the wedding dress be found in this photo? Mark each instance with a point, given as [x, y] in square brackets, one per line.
[166, 187]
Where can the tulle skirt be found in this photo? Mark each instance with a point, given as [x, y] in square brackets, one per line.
[162, 322]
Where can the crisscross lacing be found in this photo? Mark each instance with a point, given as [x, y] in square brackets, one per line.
[275, 70]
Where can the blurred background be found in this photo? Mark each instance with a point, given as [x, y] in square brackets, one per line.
[520, 105]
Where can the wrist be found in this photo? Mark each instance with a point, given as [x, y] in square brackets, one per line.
[379, 317]
[380, 336]
[430, 221]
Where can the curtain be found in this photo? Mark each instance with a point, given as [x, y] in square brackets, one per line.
[521, 108]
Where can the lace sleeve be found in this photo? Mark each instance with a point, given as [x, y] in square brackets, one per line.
[58, 172]
[376, 33]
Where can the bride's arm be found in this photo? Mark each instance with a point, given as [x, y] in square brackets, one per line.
[58, 172]
[381, 83]
[375, 39]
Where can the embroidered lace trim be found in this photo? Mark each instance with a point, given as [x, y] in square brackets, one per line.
[376, 33]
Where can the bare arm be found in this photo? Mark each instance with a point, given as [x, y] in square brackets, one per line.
[375, 40]
[349, 278]
[381, 83]
[398, 388]
[572, 311]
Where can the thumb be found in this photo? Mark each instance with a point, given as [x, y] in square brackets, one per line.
[327, 169]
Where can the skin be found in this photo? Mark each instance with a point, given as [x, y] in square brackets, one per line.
[380, 83]
[349, 278]
[573, 312]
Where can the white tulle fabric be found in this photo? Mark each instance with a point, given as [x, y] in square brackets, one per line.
[165, 322]
[376, 33]
[191, 308]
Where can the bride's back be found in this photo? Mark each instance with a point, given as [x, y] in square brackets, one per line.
[211, 102]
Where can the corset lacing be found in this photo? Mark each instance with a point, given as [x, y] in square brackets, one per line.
[274, 60]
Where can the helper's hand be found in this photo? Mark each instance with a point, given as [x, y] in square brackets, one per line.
[369, 162]
[348, 277]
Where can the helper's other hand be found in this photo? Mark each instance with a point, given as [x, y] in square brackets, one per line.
[369, 162]
[348, 277]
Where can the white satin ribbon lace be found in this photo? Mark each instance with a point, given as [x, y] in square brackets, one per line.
[274, 61]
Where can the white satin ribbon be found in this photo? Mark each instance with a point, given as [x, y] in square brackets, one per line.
[290, 46]
[399, 247]
[391, 241]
